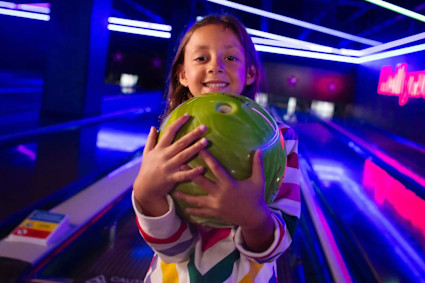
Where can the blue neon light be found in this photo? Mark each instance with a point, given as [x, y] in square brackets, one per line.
[392, 53]
[139, 24]
[394, 43]
[140, 31]
[295, 22]
[272, 43]
[23, 14]
[306, 54]
[398, 9]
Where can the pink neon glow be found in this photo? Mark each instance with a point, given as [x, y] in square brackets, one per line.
[387, 189]
[24, 150]
[33, 7]
[401, 83]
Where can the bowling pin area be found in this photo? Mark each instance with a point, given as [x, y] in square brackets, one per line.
[82, 82]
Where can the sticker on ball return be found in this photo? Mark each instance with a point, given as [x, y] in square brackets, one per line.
[237, 127]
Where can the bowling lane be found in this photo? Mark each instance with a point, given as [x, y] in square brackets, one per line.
[80, 151]
[405, 155]
[373, 215]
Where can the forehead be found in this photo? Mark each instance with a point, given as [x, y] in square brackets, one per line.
[214, 35]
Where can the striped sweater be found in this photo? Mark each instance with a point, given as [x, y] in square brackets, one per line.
[186, 252]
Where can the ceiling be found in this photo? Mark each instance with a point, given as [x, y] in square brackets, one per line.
[354, 17]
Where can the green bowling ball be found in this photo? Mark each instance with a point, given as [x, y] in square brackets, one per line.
[237, 127]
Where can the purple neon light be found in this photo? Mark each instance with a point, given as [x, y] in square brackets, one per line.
[38, 8]
[26, 151]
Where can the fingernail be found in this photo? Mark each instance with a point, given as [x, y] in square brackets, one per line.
[204, 141]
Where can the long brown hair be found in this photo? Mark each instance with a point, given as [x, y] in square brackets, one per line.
[178, 93]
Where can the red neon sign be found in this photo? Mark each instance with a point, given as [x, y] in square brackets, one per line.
[401, 83]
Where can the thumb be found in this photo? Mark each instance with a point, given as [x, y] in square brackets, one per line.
[257, 167]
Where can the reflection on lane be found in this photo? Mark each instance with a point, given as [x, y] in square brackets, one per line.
[365, 208]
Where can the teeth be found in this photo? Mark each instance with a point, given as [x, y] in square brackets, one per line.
[216, 84]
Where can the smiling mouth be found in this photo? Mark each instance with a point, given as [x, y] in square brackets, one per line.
[215, 85]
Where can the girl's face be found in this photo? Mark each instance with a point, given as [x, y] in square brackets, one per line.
[214, 61]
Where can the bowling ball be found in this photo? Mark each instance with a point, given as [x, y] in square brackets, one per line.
[237, 127]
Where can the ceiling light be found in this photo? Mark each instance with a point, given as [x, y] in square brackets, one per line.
[398, 9]
[295, 22]
[22, 14]
[141, 31]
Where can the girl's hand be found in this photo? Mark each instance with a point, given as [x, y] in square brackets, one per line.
[238, 202]
[162, 163]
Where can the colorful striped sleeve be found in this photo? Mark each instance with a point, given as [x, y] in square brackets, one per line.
[168, 235]
[286, 206]
[287, 203]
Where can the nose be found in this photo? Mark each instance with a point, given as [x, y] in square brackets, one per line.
[215, 66]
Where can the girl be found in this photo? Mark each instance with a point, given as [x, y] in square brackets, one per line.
[215, 55]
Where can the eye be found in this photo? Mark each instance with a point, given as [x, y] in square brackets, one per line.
[200, 58]
[231, 58]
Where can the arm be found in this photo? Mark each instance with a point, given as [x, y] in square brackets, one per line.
[286, 207]
[168, 235]
[160, 170]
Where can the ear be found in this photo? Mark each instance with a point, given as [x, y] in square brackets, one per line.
[251, 75]
[181, 75]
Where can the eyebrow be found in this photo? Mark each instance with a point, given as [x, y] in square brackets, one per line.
[204, 47]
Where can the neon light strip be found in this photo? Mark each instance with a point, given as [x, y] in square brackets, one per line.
[140, 31]
[398, 9]
[307, 54]
[139, 24]
[294, 43]
[279, 43]
[295, 22]
[392, 53]
[34, 8]
[27, 15]
[7, 5]
[340, 58]
[311, 47]
[394, 43]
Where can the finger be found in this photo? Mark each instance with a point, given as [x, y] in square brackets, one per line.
[188, 139]
[216, 168]
[187, 175]
[198, 201]
[204, 183]
[188, 153]
[172, 130]
[185, 167]
[257, 167]
[151, 141]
